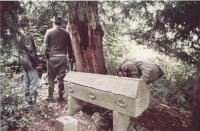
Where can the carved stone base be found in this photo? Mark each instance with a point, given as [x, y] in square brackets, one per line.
[120, 121]
[74, 105]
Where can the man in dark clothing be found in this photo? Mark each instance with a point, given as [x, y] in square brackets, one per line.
[28, 59]
[57, 47]
[145, 70]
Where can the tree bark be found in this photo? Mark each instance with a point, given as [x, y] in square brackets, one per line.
[196, 101]
[87, 37]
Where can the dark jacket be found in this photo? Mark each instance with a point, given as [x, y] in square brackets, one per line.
[57, 41]
[147, 71]
[27, 51]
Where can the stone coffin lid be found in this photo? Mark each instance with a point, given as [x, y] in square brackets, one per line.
[117, 85]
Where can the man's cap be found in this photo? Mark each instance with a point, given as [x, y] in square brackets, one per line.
[56, 19]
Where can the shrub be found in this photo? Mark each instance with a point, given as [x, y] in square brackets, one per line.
[176, 85]
[15, 112]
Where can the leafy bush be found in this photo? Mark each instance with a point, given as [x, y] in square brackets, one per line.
[176, 85]
[15, 112]
[114, 48]
[113, 53]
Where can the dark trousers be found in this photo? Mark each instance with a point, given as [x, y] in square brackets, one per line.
[56, 68]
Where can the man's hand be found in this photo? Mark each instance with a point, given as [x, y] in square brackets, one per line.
[39, 66]
[120, 73]
[69, 60]
[46, 55]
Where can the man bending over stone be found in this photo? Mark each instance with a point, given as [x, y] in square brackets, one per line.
[145, 70]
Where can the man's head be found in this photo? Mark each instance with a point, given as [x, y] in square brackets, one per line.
[57, 20]
[129, 69]
[124, 72]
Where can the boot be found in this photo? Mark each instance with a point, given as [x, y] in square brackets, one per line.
[50, 96]
[61, 92]
[27, 94]
[60, 98]
[30, 100]
[34, 106]
[27, 97]
[35, 97]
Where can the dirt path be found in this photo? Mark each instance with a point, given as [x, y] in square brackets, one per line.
[159, 117]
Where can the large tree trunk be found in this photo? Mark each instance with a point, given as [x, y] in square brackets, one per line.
[196, 101]
[86, 34]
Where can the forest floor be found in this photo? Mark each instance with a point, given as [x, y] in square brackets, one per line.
[158, 117]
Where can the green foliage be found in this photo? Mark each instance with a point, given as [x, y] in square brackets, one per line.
[176, 85]
[113, 44]
[113, 53]
[114, 48]
[168, 27]
[15, 111]
[42, 11]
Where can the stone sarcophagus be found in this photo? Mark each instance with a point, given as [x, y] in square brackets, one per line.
[125, 96]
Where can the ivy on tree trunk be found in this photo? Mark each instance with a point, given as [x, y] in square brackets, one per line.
[87, 37]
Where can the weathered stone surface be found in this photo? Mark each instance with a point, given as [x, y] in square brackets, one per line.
[66, 123]
[74, 105]
[113, 84]
[120, 121]
[125, 95]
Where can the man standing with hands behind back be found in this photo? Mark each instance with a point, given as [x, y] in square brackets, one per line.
[57, 47]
